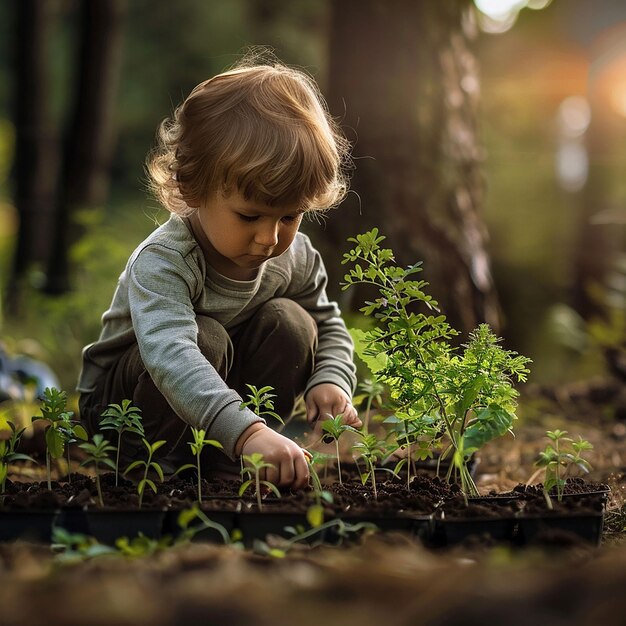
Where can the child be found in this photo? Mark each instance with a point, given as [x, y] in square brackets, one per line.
[227, 291]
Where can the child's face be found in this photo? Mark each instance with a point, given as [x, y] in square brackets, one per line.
[242, 234]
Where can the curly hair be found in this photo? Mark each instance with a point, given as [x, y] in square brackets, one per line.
[263, 130]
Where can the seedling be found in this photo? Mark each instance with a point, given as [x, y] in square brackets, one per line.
[559, 456]
[147, 465]
[60, 428]
[197, 445]
[371, 450]
[333, 428]
[370, 391]
[261, 401]
[315, 513]
[189, 530]
[8, 454]
[470, 395]
[72, 431]
[98, 454]
[254, 463]
[122, 418]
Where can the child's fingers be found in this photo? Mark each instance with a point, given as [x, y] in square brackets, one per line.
[301, 467]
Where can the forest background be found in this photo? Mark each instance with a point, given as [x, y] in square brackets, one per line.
[489, 141]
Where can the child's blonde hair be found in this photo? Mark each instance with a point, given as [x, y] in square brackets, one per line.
[261, 129]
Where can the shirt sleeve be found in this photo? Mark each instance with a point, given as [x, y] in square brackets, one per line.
[334, 359]
[161, 284]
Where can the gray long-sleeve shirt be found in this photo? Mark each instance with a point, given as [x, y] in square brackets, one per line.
[167, 282]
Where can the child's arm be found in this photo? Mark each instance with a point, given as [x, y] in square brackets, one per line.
[288, 458]
[328, 400]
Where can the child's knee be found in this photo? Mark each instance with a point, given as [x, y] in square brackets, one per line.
[289, 321]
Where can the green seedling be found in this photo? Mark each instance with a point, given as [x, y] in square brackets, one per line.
[147, 465]
[559, 456]
[315, 513]
[261, 401]
[333, 428]
[73, 431]
[72, 548]
[61, 429]
[122, 418]
[470, 394]
[98, 454]
[9, 455]
[197, 445]
[371, 450]
[370, 392]
[189, 530]
[254, 463]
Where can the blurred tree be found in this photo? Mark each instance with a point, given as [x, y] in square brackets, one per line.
[89, 142]
[35, 162]
[403, 80]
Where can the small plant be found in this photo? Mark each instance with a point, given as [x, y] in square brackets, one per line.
[254, 463]
[147, 465]
[189, 530]
[197, 445]
[371, 450]
[72, 431]
[98, 454]
[60, 428]
[370, 391]
[315, 513]
[333, 428]
[470, 394]
[9, 455]
[261, 401]
[122, 418]
[559, 456]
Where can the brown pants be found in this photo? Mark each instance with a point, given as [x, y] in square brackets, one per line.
[275, 347]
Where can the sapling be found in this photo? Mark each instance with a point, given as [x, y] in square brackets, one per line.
[9, 455]
[197, 445]
[371, 450]
[261, 401]
[409, 350]
[333, 428]
[556, 460]
[254, 463]
[97, 451]
[53, 410]
[73, 431]
[147, 465]
[122, 418]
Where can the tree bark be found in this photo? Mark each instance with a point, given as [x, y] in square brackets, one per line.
[90, 139]
[403, 82]
[35, 164]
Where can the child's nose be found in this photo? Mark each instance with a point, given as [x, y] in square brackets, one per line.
[267, 235]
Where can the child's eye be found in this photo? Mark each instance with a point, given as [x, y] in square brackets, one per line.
[290, 219]
[248, 218]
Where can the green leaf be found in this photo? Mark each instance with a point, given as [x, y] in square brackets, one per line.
[186, 516]
[133, 465]
[244, 486]
[315, 515]
[55, 443]
[489, 424]
[80, 432]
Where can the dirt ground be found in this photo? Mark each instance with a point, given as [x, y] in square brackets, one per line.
[385, 579]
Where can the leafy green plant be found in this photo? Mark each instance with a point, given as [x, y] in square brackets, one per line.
[122, 418]
[147, 465]
[9, 455]
[261, 401]
[315, 513]
[333, 428]
[371, 450]
[560, 455]
[253, 464]
[60, 429]
[197, 445]
[370, 391]
[71, 548]
[189, 530]
[470, 394]
[72, 431]
[97, 452]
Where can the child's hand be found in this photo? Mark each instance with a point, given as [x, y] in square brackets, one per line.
[291, 468]
[328, 400]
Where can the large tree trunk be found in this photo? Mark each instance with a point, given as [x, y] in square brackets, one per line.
[90, 138]
[403, 82]
[35, 163]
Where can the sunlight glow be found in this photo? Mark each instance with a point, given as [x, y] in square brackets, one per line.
[499, 16]
[574, 116]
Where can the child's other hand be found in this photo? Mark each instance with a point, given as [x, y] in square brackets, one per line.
[291, 468]
[327, 400]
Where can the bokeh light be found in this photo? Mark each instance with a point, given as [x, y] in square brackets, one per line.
[499, 16]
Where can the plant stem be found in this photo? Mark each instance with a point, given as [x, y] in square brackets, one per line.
[338, 461]
[257, 480]
[117, 456]
[98, 486]
[48, 471]
[199, 478]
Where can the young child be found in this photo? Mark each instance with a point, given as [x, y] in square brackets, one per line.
[227, 292]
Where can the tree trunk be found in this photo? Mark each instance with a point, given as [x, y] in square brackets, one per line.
[90, 138]
[403, 83]
[35, 163]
